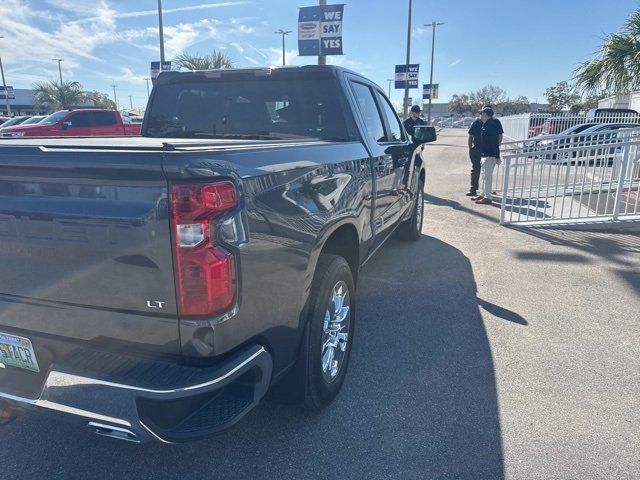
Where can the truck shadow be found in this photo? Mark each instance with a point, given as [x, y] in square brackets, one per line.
[421, 327]
[419, 402]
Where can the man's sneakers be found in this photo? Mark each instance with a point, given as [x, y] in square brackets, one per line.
[478, 198]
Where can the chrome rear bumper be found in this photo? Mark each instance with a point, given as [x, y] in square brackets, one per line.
[139, 414]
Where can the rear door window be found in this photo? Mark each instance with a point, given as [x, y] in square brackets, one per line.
[395, 129]
[104, 119]
[369, 111]
[81, 119]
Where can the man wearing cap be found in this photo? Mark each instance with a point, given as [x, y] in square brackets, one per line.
[475, 155]
[490, 140]
[413, 120]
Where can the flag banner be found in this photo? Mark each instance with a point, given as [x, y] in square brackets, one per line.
[402, 77]
[320, 30]
[430, 91]
[8, 94]
[155, 68]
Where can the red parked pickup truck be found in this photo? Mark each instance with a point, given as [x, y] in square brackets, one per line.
[76, 123]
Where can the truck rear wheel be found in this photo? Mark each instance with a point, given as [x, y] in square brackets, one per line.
[329, 333]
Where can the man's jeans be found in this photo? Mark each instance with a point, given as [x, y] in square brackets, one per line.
[476, 167]
[488, 164]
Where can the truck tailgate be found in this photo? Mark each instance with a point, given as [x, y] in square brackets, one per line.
[85, 248]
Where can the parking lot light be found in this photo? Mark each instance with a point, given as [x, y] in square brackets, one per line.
[59, 60]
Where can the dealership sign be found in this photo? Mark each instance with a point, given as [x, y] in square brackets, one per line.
[320, 30]
[8, 94]
[430, 91]
[406, 79]
[155, 68]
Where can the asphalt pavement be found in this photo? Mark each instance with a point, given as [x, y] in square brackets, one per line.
[481, 352]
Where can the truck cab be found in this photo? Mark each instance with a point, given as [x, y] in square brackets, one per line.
[76, 123]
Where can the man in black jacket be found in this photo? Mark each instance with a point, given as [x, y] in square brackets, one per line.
[475, 154]
[490, 140]
[413, 120]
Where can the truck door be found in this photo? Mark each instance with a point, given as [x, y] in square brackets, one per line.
[77, 124]
[106, 124]
[400, 149]
[388, 159]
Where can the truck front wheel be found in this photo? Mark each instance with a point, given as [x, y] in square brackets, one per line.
[411, 229]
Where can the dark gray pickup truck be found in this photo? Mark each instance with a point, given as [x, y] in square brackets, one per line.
[156, 288]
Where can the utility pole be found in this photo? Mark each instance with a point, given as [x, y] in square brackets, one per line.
[390, 80]
[405, 106]
[59, 60]
[160, 33]
[147, 80]
[322, 60]
[433, 25]
[115, 97]
[4, 84]
[283, 33]
[131, 101]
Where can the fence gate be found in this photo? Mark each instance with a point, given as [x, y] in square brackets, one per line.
[571, 178]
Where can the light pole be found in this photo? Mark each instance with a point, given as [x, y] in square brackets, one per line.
[390, 80]
[160, 32]
[147, 80]
[4, 84]
[131, 101]
[405, 106]
[322, 60]
[283, 33]
[115, 97]
[433, 25]
[59, 60]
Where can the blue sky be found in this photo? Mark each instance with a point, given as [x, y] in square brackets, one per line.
[521, 46]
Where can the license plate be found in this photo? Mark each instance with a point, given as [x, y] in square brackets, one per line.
[17, 352]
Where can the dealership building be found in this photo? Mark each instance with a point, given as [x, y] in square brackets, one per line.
[23, 103]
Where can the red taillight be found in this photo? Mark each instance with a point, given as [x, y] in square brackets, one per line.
[205, 272]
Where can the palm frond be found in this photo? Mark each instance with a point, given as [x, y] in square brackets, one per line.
[215, 61]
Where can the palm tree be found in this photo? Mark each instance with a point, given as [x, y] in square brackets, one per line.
[616, 68]
[215, 61]
[58, 96]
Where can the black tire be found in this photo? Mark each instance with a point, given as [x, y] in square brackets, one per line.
[411, 229]
[318, 391]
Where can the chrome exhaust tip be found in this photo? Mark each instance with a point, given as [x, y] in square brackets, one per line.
[110, 431]
[7, 413]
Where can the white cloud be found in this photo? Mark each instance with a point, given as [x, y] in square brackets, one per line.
[417, 32]
[34, 36]
[166, 11]
[24, 42]
[127, 76]
[455, 62]
[245, 29]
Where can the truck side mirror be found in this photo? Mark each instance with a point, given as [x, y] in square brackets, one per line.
[424, 134]
[66, 125]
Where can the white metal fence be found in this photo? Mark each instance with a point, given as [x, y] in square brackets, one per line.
[516, 127]
[571, 178]
[521, 127]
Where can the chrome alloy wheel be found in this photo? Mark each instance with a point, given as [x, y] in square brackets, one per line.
[335, 332]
